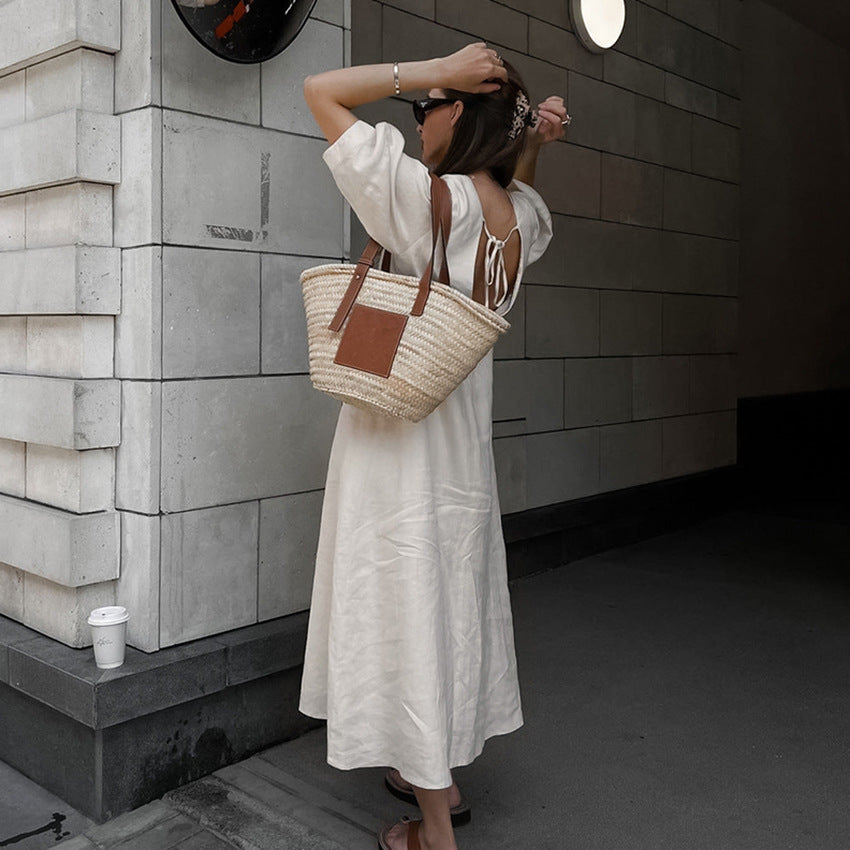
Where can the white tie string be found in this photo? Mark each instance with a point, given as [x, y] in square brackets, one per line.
[495, 273]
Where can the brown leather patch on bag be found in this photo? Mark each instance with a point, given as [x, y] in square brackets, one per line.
[370, 340]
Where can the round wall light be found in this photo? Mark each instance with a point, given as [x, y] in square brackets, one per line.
[598, 23]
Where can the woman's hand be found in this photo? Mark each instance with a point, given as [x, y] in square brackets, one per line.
[551, 118]
[551, 115]
[474, 68]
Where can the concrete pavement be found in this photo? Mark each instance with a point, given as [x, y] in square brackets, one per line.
[690, 691]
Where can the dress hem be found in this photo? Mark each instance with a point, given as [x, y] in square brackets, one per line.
[375, 761]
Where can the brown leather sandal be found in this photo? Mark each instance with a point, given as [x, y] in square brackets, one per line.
[412, 835]
[461, 813]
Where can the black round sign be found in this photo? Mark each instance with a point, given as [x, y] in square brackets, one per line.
[244, 30]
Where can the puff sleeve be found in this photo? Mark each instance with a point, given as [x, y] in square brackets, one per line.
[536, 221]
[389, 191]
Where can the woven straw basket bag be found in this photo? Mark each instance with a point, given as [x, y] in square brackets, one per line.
[390, 343]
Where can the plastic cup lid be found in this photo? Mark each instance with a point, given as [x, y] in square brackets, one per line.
[111, 615]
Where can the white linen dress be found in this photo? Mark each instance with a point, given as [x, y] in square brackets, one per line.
[410, 652]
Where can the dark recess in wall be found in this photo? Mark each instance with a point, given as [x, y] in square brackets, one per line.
[796, 445]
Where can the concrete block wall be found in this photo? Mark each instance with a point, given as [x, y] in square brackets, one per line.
[224, 201]
[620, 366]
[160, 443]
[60, 291]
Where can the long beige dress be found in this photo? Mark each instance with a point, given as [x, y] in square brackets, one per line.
[410, 652]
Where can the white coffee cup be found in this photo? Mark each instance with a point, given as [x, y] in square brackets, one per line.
[109, 635]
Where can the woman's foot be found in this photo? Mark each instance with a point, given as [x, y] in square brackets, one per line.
[410, 835]
[397, 783]
[396, 837]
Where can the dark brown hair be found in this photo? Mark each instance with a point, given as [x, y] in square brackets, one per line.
[480, 141]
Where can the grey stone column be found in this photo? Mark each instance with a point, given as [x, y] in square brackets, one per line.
[160, 443]
[60, 405]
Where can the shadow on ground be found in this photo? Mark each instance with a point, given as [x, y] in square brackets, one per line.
[689, 691]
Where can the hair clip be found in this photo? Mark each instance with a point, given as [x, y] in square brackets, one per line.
[522, 111]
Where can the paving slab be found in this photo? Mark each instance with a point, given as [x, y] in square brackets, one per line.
[250, 823]
[32, 818]
[687, 691]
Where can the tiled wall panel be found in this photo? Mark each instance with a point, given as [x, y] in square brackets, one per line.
[138, 198]
[12, 222]
[260, 205]
[289, 535]
[208, 578]
[138, 328]
[210, 313]
[60, 546]
[80, 482]
[230, 90]
[528, 395]
[13, 467]
[231, 440]
[72, 279]
[561, 465]
[634, 75]
[81, 79]
[62, 412]
[12, 99]
[630, 454]
[11, 592]
[632, 191]
[138, 458]
[70, 346]
[76, 214]
[597, 391]
[137, 588]
[561, 322]
[62, 26]
[13, 343]
[630, 323]
[62, 612]
[608, 115]
[86, 148]
[318, 47]
[511, 458]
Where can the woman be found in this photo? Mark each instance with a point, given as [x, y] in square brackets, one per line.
[410, 651]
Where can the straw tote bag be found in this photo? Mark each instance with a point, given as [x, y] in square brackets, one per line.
[390, 343]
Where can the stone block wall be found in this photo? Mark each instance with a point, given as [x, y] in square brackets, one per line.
[160, 443]
[60, 290]
[620, 366]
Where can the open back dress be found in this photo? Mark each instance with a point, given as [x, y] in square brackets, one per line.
[410, 652]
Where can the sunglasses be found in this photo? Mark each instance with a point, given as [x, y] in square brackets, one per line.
[422, 107]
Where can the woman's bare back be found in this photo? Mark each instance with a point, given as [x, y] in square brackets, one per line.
[499, 236]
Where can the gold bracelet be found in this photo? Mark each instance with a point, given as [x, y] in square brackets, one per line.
[395, 78]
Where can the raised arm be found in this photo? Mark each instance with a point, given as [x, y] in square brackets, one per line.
[332, 95]
[550, 126]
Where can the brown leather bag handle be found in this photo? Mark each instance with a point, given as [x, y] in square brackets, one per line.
[441, 225]
[363, 265]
